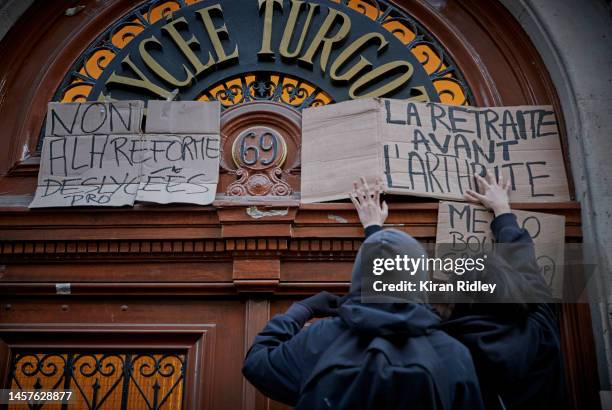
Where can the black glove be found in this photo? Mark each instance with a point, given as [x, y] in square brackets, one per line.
[320, 305]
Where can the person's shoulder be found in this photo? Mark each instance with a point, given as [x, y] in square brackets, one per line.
[449, 347]
[324, 328]
[320, 334]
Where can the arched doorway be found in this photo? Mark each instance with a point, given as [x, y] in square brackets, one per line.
[190, 286]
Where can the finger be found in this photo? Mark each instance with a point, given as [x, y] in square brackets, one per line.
[475, 195]
[377, 191]
[490, 177]
[363, 194]
[366, 187]
[354, 200]
[385, 211]
[482, 183]
[377, 182]
[362, 181]
[501, 181]
[470, 198]
[358, 184]
[355, 188]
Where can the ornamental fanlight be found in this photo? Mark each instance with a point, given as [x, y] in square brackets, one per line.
[294, 52]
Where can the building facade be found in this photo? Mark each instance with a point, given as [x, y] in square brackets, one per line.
[154, 306]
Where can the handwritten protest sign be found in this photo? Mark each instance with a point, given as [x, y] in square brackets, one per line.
[122, 165]
[183, 139]
[97, 170]
[120, 117]
[430, 149]
[464, 227]
[180, 168]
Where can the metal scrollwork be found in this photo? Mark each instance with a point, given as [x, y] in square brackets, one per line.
[79, 81]
[281, 88]
[104, 380]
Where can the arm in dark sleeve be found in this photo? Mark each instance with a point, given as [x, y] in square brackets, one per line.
[372, 229]
[506, 230]
[518, 251]
[273, 363]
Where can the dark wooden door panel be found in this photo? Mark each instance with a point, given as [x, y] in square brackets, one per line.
[210, 333]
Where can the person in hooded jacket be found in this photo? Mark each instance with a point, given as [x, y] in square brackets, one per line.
[516, 346]
[367, 355]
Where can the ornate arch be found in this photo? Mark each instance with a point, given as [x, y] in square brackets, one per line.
[485, 47]
[82, 82]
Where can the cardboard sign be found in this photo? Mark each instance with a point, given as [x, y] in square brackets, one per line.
[465, 227]
[95, 170]
[119, 117]
[108, 169]
[430, 149]
[179, 168]
[181, 117]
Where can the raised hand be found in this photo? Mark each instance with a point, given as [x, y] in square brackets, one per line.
[322, 304]
[367, 202]
[495, 195]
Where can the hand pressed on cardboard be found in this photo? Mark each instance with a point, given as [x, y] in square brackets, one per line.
[367, 202]
[495, 194]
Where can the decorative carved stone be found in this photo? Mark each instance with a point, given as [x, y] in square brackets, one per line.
[260, 150]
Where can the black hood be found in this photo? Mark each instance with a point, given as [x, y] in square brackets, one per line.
[387, 243]
[385, 319]
[388, 319]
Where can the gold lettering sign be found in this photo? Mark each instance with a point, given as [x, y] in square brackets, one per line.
[329, 45]
[185, 45]
[215, 34]
[291, 26]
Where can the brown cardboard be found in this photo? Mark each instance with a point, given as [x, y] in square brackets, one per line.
[462, 224]
[88, 170]
[182, 117]
[180, 168]
[96, 117]
[430, 149]
[97, 169]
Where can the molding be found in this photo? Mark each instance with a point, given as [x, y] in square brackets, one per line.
[25, 168]
[200, 250]
[203, 232]
[140, 289]
[257, 315]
